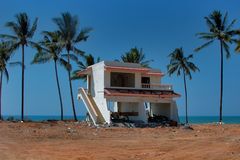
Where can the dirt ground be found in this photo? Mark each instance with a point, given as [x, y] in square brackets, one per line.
[78, 141]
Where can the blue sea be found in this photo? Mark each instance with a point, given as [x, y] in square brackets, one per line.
[192, 119]
[210, 119]
[41, 118]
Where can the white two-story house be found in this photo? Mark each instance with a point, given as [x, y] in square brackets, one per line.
[126, 89]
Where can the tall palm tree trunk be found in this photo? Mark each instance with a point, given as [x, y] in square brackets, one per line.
[186, 102]
[1, 96]
[22, 115]
[221, 83]
[59, 91]
[71, 92]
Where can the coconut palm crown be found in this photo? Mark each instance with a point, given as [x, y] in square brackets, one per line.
[136, 55]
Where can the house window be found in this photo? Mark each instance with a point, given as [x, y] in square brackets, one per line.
[122, 79]
[145, 82]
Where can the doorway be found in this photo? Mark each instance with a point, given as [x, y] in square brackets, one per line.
[145, 82]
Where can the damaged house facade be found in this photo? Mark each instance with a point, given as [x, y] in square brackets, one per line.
[116, 89]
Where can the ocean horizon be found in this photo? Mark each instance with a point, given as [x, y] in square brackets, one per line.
[192, 119]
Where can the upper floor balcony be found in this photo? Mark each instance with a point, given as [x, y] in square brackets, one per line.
[156, 86]
[134, 81]
[145, 86]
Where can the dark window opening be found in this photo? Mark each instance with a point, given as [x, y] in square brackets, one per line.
[145, 82]
[122, 79]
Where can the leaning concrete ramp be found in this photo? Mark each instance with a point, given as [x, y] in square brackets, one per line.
[91, 107]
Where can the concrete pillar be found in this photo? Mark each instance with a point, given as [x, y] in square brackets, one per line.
[174, 111]
[142, 112]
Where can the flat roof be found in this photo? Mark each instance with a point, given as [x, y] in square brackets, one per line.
[116, 65]
[122, 64]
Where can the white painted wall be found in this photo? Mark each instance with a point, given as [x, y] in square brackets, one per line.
[155, 79]
[98, 90]
[138, 79]
[174, 111]
[107, 80]
[142, 112]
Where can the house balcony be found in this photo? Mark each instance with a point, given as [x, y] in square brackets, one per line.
[157, 86]
[146, 86]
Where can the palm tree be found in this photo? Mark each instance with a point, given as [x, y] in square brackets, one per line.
[182, 65]
[4, 58]
[68, 28]
[88, 61]
[50, 50]
[23, 32]
[135, 55]
[222, 32]
[5, 54]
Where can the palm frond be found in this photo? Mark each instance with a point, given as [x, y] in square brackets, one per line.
[8, 48]
[208, 37]
[229, 27]
[34, 44]
[14, 28]
[172, 69]
[16, 64]
[75, 76]
[226, 49]
[71, 56]
[224, 22]
[67, 25]
[33, 29]
[82, 36]
[192, 67]
[188, 73]
[14, 46]
[82, 66]
[237, 49]
[9, 37]
[65, 64]
[209, 23]
[146, 63]
[41, 57]
[216, 17]
[189, 57]
[24, 24]
[78, 51]
[203, 46]
[6, 74]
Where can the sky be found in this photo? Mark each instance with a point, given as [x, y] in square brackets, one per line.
[158, 27]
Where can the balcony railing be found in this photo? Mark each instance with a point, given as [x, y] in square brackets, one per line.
[157, 86]
[146, 86]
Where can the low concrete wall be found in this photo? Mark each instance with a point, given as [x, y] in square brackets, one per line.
[163, 109]
[166, 109]
[134, 107]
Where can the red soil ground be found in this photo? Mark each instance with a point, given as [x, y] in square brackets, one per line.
[78, 141]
